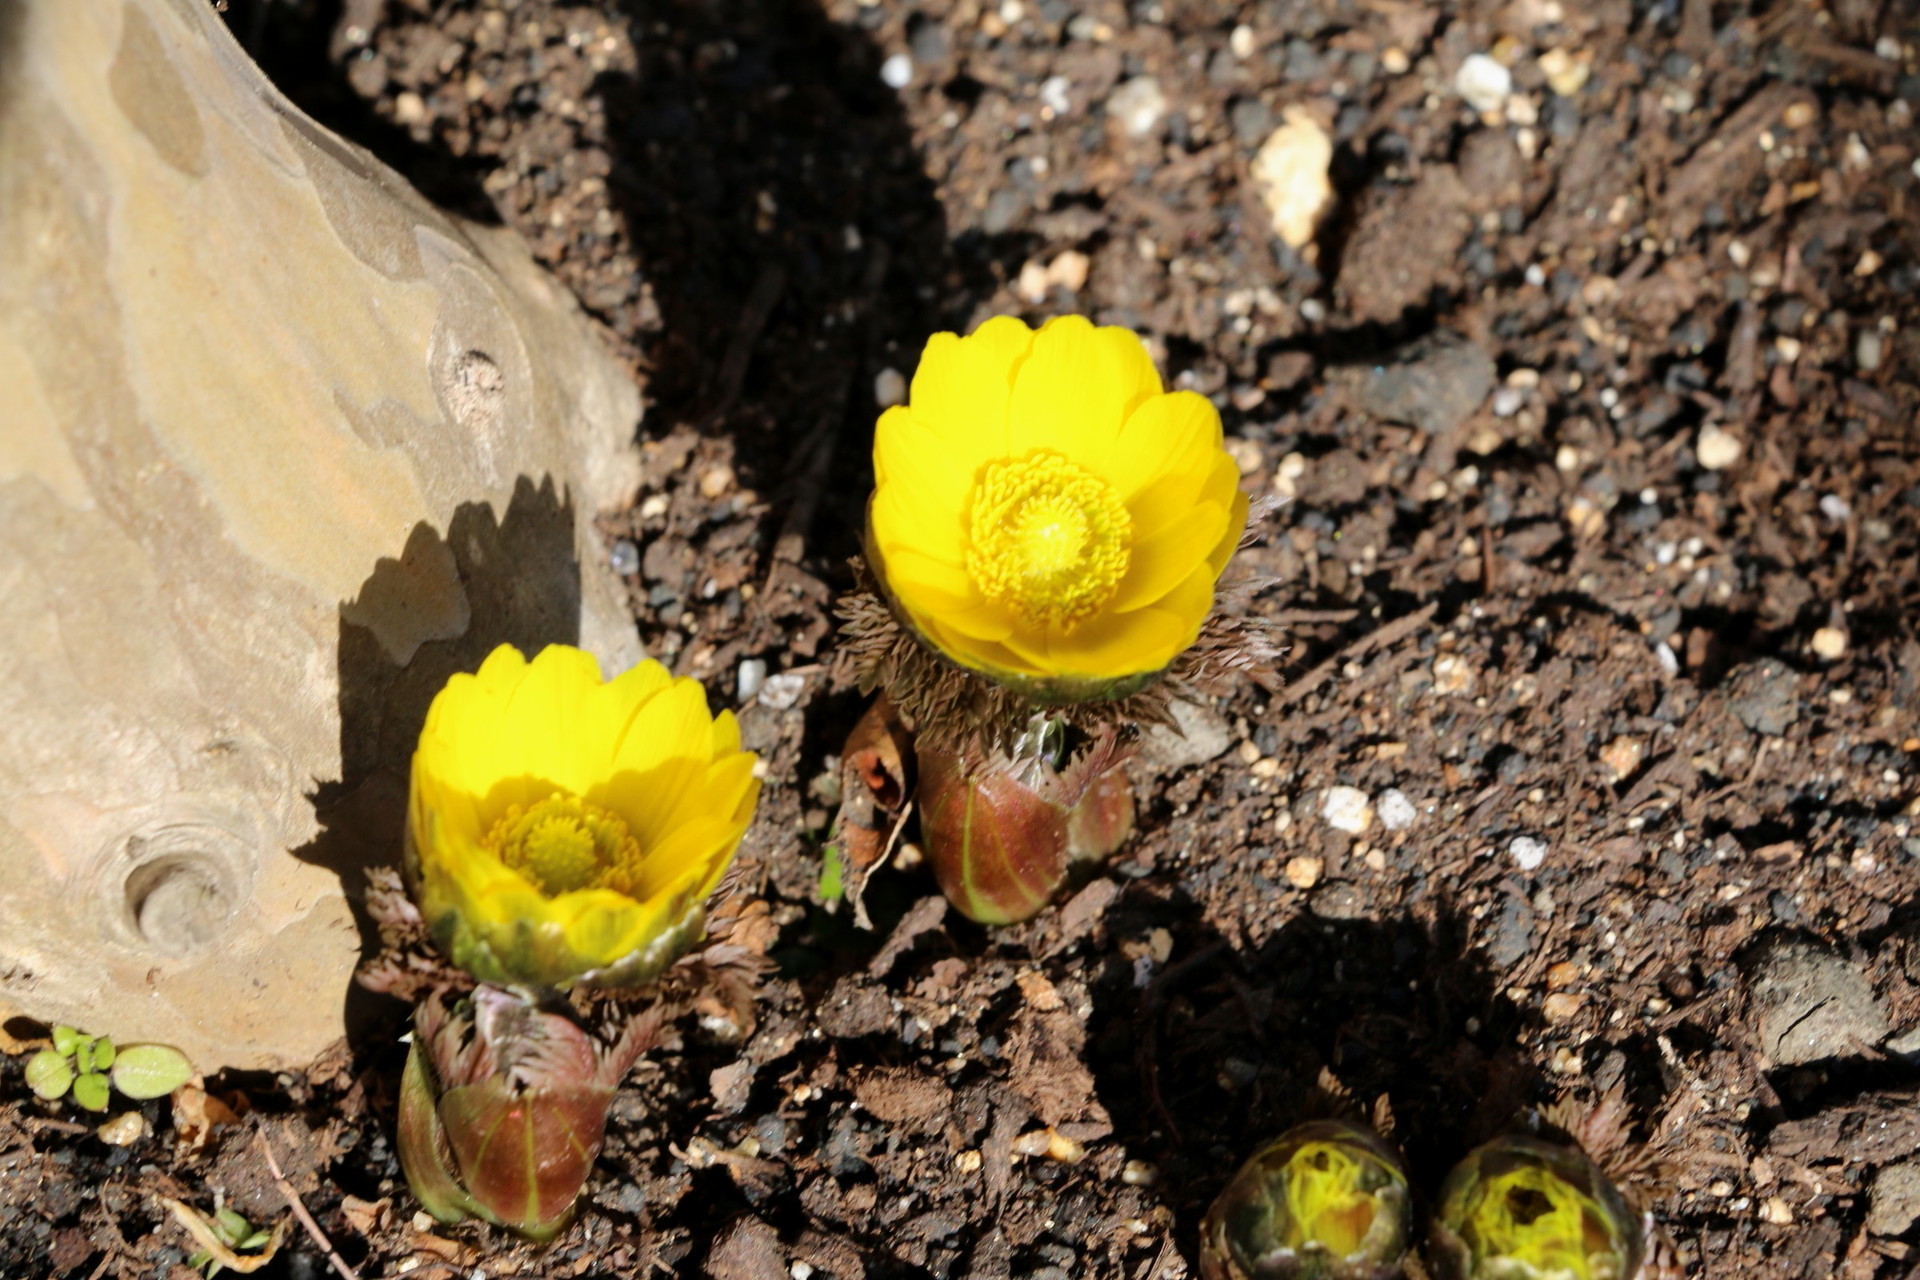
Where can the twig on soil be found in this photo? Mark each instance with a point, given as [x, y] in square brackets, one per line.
[58, 1126]
[767, 289]
[1379, 638]
[313, 1230]
[1309, 617]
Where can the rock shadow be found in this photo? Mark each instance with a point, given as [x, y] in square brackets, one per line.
[439, 607]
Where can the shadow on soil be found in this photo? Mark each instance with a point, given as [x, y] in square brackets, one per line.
[794, 243]
[1224, 1050]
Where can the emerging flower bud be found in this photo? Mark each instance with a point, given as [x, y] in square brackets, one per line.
[503, 1107]
[1003, 833]
[1325, 1201]
[1520, 1208]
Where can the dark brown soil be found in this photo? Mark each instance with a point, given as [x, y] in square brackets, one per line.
[1645, 728]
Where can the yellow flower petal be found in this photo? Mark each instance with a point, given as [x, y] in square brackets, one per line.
[1230, 539]
[1170, 556]
[962, 386]
[932, 470]
[1076, 388]
[1167, 435]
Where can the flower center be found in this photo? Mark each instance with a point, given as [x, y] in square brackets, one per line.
[564, 843]
[1046, 539]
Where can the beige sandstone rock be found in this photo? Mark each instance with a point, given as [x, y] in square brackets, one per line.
[281, 446]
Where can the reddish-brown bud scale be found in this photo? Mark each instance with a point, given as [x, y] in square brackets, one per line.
[1002, 838]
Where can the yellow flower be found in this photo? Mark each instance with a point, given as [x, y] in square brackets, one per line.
[1045, 513]
[561, 828]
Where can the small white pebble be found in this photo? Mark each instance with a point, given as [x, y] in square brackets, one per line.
[1868, 350]
[1394, 61]
[1536, 274]
[889, 388]
[1507, 401]
[1138, 105]
[1346, 809]
[1830, 643]
[1483, 82]
[897, 71]
[747, 681]
[1835, 508]
[1290, 172]
[1527, 852]
[1053, 95]
[623, 558]
[1242, 42]
[1397, 813]
[1717, 449]
[781, 691]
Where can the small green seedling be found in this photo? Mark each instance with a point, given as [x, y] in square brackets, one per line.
[233, 1231]
[87, 1065]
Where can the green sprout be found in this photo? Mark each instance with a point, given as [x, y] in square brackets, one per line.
[233, 1231]
[88, 1066]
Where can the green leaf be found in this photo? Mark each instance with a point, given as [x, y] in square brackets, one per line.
[102, 1053]
[255, 1241]
[66, 1039]
[231, 1225]
[144, 1071]
[49, 1074]
[832, 874]
[90, 1091]
[83, 1057]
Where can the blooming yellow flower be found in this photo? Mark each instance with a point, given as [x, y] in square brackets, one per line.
[561, 827]
[1044, 512]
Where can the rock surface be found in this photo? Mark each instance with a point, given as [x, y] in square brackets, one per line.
[1895, 1203]
[1811, 1005]
[281, 447]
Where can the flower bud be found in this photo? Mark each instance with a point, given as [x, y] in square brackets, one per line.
[1325, 1201]
[1520, 1208]
[503, 1107]
[1002, 834]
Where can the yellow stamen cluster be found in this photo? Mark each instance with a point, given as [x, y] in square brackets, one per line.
[1046, 538]
[564, 843]
[1329, 1201]
[1530, 1216]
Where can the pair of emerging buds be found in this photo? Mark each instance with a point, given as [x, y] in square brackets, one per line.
[1329, 1201]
